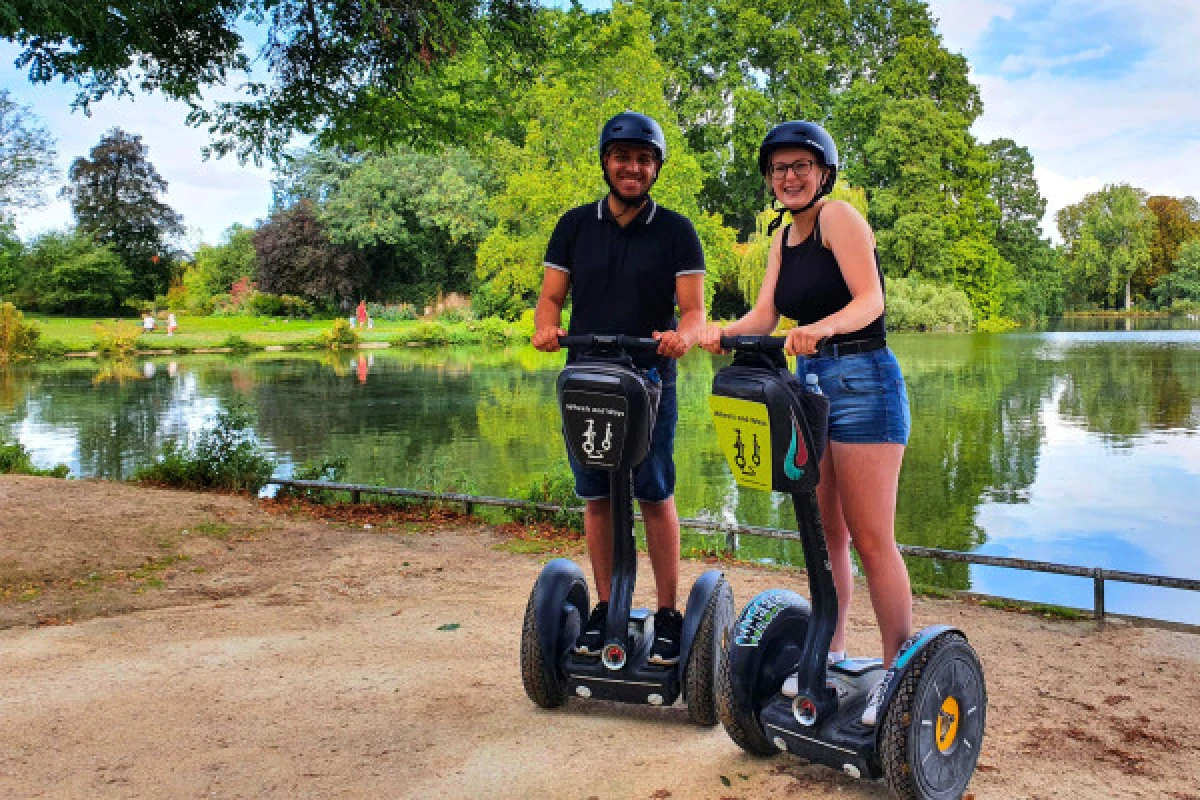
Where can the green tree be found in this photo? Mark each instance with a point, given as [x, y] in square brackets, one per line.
[558, 166]
[69, 273]
[418, 217]
[1106, 240]
[333, 68]
[217, 267]
[115, 194]
[1183, 282]
[26, 155]
[11, 254]
[1176, 220]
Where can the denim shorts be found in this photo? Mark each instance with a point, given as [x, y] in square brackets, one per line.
[868, 402]
[654, 478]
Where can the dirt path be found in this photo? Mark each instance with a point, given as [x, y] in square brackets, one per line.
[267, 655]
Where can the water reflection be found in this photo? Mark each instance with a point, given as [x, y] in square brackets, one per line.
[1066, 446]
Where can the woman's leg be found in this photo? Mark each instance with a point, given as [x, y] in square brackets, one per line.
[869, 476]
[837, 539]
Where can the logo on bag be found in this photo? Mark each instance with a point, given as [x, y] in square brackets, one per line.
[589, 440]
[744, 433]
[797, 454]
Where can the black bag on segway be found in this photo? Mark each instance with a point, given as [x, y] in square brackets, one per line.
[773, 432]
[608, 409]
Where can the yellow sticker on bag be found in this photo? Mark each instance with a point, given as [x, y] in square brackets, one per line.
[744, 432]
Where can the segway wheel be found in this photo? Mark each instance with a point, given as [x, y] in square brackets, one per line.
[933, 727]
[707, 653]
[544, 682]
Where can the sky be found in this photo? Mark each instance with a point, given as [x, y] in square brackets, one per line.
[1100, 91]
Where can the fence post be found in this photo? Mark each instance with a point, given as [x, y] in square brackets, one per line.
[469, 508]
[1098, 592]
[355, 495]
[731, 542]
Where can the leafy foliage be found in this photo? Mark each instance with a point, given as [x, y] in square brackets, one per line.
[15, 460]
[26, 155]
[117, 339]
[339, 336]
[18, 338]
[114, 193]
[222, 456]
[69, 273]
[217, 267]
[917, 305]
[1181, 287]
[1176, 220]
[296, 256]
[1106, 240]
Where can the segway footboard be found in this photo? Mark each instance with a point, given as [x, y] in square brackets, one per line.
[763, 651]
[558, 606]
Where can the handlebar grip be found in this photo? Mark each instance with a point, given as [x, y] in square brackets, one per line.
[756, 343]
[618, 340]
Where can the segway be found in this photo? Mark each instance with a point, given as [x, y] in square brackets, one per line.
[930, 726]
[608, 409]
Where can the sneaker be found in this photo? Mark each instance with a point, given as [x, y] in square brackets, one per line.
[668, 629]
[592, 638]
[870, 714]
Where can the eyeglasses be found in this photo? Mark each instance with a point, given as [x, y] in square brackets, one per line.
[625, 159]
[800, 169]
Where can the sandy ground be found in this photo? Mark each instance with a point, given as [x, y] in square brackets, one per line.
[164, 644]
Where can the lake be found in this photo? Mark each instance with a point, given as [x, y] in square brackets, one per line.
[1073, 446]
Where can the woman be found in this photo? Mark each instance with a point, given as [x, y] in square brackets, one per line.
[823, 271]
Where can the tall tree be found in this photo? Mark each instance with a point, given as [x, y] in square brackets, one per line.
[295, 256]
[1176, 220]
[115, 194]
[1106, 240]
[217, 267]
[26, 155]
[329, 67]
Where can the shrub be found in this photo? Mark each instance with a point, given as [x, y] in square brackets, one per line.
[556, 487]
[428, 333]
[494, 331]
[396, 313]
[224, 456]
[328, 469]
[18, 338]
[117, 339]
[917, 305]
[339, 336]
[15, 460]
[237, 344]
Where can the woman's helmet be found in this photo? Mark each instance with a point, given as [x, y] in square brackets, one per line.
[630, 126]
[810, 136]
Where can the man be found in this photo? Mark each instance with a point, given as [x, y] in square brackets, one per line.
[626, 262]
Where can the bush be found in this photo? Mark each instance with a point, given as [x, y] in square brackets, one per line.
[15, 460]
[397, 313]
[265, 304]
[917, 305]
[428, 333]
[117, 339]
[237, 344]
[330, 470]
[18, 338]
[224, 456]
[556, 487]
[339, 336]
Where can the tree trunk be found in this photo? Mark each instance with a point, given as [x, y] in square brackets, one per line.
[1127, 296]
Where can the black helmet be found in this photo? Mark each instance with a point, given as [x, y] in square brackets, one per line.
[810, 136]
[630, 126]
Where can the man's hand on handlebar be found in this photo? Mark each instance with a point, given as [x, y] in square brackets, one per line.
[546, 339]
[672, 344]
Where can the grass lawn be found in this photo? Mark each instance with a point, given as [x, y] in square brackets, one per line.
[78, 334]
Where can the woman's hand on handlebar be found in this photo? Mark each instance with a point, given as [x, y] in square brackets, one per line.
[672, 344]
[804, 340]
[710, 338]
[546, 339]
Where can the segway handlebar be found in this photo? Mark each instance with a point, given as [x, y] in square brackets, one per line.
[755, 344]
[615, 340]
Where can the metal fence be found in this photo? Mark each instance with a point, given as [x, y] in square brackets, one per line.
[1099, 575]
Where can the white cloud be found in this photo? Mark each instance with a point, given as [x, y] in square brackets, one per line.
[1027, 63]
[963, 22]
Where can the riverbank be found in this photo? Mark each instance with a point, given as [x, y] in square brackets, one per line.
[160, 643]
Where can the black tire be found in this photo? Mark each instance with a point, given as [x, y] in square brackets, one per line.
[933, 727]
[544, 682]
[706, 655]
[740, 723]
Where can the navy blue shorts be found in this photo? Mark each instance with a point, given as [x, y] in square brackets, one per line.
[654, 478]
[868, 402]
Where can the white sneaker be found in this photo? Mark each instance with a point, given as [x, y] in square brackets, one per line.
[870, 714]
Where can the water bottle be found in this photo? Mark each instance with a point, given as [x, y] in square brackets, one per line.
[811, 384]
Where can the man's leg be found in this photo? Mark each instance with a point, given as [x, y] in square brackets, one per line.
[662, 541]
[597, 528]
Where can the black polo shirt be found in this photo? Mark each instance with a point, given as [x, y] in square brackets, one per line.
[623, 279]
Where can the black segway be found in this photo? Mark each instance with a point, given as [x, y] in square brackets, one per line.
[608, 409]
[930, 725]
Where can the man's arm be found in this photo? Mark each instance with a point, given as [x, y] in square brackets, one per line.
[547, 316]
[689, 294]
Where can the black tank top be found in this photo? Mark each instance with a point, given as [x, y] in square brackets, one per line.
[811, 286]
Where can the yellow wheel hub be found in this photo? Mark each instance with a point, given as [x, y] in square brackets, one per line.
[947, 724]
